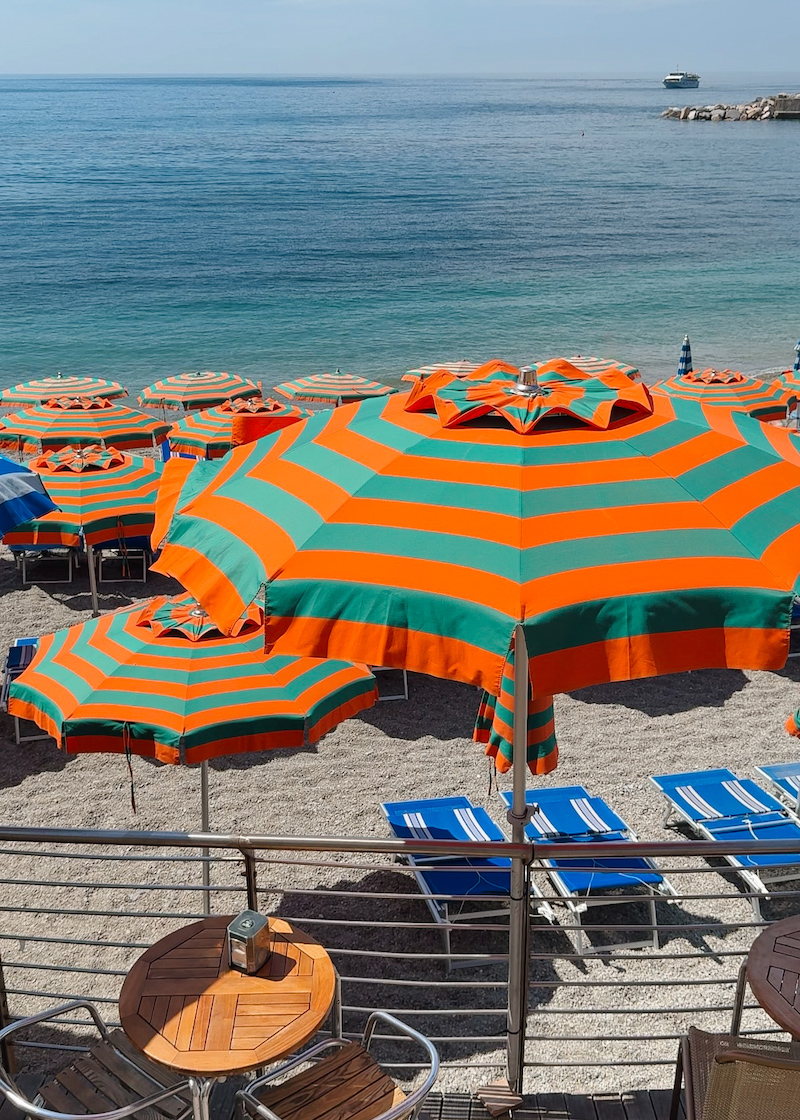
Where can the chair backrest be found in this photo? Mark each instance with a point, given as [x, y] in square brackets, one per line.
[744, 1085]
[715, 800]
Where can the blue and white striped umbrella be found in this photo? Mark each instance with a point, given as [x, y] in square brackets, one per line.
[685, 361]
[796, 368]
[22, 495]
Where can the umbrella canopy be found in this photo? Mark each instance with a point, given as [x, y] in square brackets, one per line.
[162, 681]
[330, 388]
[197, 389]
[80, 421]
[214, 431]
[22, 495]
[103, 497]
[630, 534]
[458, 369]
[597, 366]
[685, 360]
[46, 388]
[731, 389]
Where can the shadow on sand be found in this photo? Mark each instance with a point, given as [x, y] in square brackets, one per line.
[668, 695]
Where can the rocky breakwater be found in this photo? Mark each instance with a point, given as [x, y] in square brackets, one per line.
[762, 109]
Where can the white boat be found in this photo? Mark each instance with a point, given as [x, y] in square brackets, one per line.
[682, 79]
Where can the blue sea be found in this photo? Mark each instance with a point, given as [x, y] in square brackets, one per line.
[280, 227]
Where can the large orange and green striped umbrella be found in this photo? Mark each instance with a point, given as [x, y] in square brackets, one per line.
[61, 385]
[766, 401]
[214, 431]
[161, 681]
[80, 421]
[103, 497]
[597, 366]
[197, 389]
[630, 538]
[458, 369]
[330, 388]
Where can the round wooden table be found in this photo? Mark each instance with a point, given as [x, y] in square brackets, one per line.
[773, 973]
[183, 1006]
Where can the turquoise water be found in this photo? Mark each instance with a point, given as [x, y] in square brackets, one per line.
[282, 227]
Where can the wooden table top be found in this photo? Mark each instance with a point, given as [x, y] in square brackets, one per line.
[773, 972]
[184, 1007]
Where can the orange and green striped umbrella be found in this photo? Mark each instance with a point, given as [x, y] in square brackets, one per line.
[156, 681]
[197, 389]
[766, 401]
[79, 421]
[103, 497]
[667, 540]
[597, 366]
[46, 388]
[458, 369]
[214, 431]
[330, 388]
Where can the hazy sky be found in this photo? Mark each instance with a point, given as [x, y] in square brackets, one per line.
[397, 36]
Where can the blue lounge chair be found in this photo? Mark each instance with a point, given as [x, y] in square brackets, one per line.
[446, 880]
[784, 777]
[717, 805]
[20, 654]
[568, 814]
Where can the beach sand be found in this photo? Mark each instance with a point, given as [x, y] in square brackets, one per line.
[611, 739]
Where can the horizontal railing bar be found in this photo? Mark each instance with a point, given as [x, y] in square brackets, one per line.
[702, 1010]
[551, 850]
[90, 971]
[78, 884]
[70, 913]
[75, 941]
[129, 857]
[610, 1064]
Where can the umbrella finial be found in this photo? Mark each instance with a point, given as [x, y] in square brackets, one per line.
[528, 382]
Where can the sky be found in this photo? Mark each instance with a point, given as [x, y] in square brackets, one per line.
[385, 37]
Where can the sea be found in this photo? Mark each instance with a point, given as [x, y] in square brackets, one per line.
[280, 226]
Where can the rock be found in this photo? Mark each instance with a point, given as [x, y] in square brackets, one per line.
[691, 115]
[684, 112]
[765, 116]
[718, 115]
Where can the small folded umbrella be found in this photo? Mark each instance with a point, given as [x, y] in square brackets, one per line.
[333, 388]
[79, 421]
[685, 360]
[197, 389]
[103, 497]
[22, 495]
[46, 388]
[494, 726]
[214, 431]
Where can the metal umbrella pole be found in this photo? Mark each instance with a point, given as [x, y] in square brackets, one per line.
[92, 580]
[518, 931]
[205, 828]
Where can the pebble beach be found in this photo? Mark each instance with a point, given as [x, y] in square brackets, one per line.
[611, 739]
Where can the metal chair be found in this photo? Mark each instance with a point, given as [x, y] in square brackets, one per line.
[346, 1083]
[732, 1078]
[113, 1080]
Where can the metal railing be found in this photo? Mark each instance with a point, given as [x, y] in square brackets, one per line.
[78, 906]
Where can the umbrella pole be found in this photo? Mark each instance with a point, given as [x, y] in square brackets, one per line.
[518, 931]
[204, 827]
[92, 580]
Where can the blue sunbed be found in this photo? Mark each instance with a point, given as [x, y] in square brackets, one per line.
[570, 815]
[719, 806]
[20, 654]
[784, 777]
[451, 882]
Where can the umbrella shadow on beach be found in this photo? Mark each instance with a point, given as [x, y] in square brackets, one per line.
[389, 953]
[669, 694]
[22, 761]
[438, 708]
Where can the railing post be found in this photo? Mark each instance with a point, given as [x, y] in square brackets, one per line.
[7, 1053]
[250, 878]
[519, 916]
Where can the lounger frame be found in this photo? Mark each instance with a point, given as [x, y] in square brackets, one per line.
[443, 909]
[758, 882]
[579, 904]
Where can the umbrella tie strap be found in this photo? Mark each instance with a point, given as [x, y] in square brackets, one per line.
[126, 743]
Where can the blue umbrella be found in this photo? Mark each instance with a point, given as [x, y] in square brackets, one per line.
[685, 361]
[796, 368]
[22, 495]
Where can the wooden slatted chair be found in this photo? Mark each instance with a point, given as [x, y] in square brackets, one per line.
[733, 1078]
[113, 1079]
[343, 1082]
